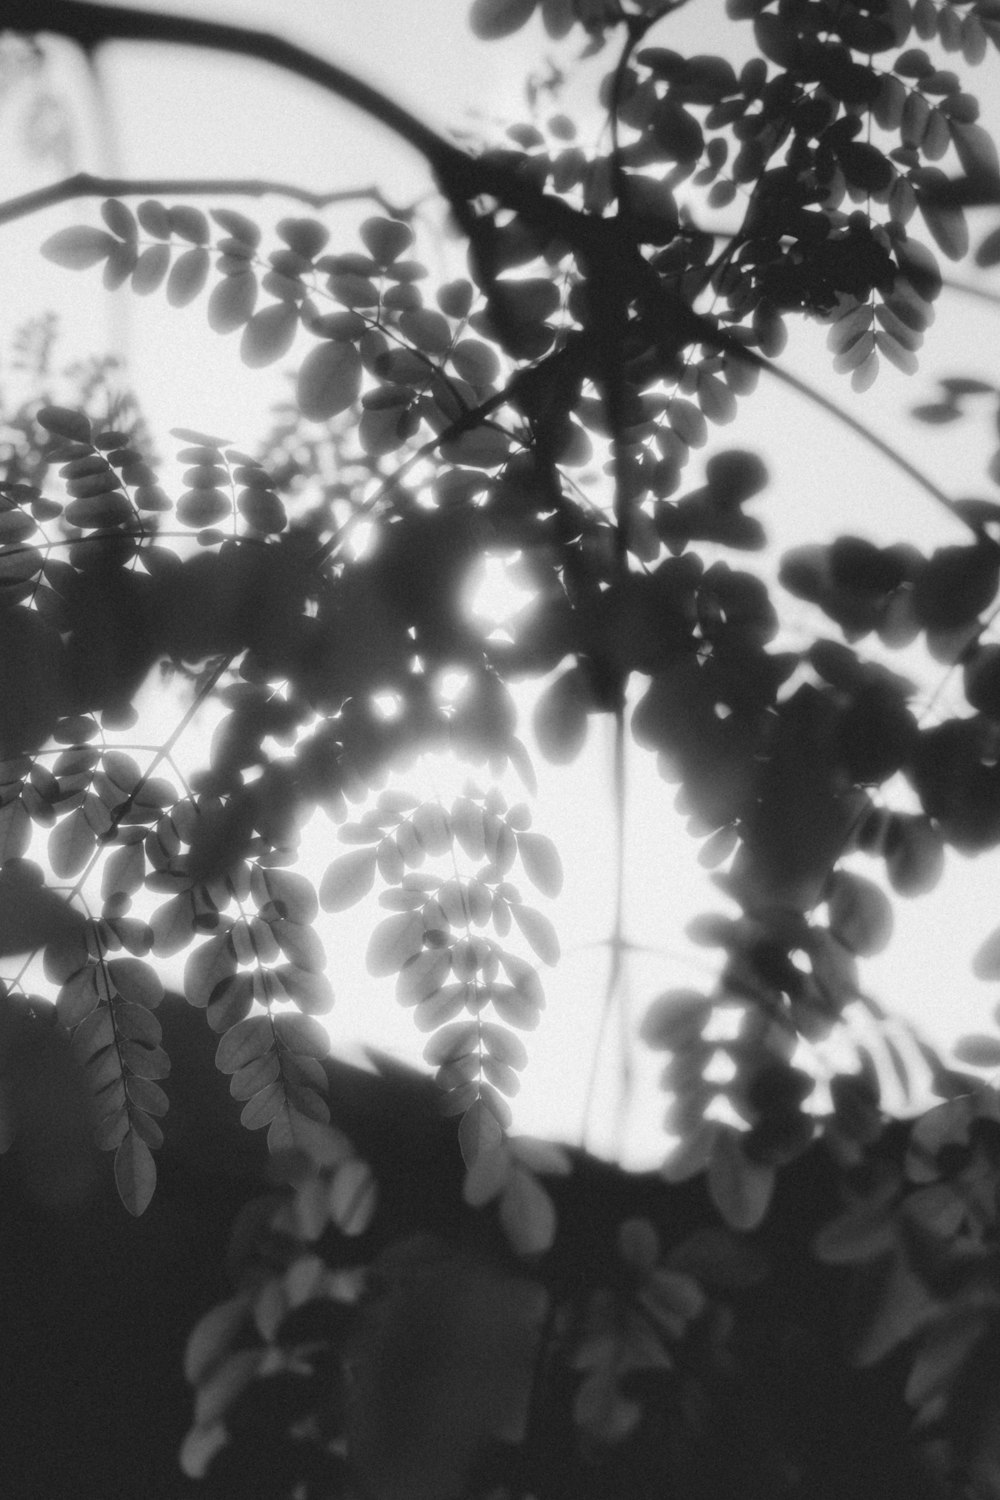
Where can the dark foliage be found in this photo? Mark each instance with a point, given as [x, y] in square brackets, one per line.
[804, 1302]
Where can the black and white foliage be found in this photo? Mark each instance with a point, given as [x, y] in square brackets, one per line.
[547, 1325]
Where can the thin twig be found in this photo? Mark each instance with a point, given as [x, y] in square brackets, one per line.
[89, 184]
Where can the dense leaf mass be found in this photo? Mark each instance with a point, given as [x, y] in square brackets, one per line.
[429, 1307]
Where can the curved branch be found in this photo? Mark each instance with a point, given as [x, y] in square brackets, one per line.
[91, 25]
[88, 185]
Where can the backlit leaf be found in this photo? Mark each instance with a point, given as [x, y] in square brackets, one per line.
[490, 19]
[311, 991]
[541, 862]
[231, 1001]
[135, 1173]
[136, 981]
[527, 1214]
[979, 1049]
[231, 301]
[269, 334]
[860, 913]
[79, 247]
[188, 275]
[301, 1035]
[254, 1075]
[353, 1197]
[347, 880]
[261, 1109]
[479, 1134]
[740, 1189]
[329, 380]
[394, 940]
[244, 1043]
[538, 930]
[71, 844]
[210, 964]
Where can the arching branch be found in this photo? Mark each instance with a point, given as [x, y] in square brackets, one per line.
[89, 185]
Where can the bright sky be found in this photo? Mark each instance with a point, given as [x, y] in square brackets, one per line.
[173, 113]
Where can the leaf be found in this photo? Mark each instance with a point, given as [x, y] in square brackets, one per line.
[975, 149]
[329, 380]
[864, 1232]
[135, 1174]
[311, 992]
[145, 1062]
[865, 166]
[385, 239]
[71, 844]
[79, 247]
[79, 996]
[740, 1189]
[475, 361]
[231, 1001]
[503, 1045]
[490, 19]
[348, 879]
[541, 862]
[299, 944]
[247, 1080]
[353, 1197]
[860, 913]
[915, 860]
[902, 1307]
[146, 1094]
[188, 275]
[422, 975]
[458, 1039]
[207, 967]
[979, 1049]
[137, 1023]
[213, 1336]
[269, 334]
[560, 718]
[986, 960]
[956, 585]
[123, 872]
[136, 981]
[261, 1109]
[173, 925]
[527, 1214]
[393, 941]
[988, 251]
[94, 1033]
[479, 1134]
[301, 1035]
[538, 931]
[15, 830]
[947, 224]
[231, 301]
[244, 1043]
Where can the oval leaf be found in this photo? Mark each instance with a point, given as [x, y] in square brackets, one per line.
[347, 880]
[135, 1173]
[329, 380]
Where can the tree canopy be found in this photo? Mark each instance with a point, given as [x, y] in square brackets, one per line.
[805, 1300]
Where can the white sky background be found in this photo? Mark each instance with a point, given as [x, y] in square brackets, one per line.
[176, 113]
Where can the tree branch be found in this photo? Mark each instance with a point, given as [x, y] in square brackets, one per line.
[87, 185]
[92, 26]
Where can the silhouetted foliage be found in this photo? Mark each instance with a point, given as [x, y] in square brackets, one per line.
[804, 1302]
